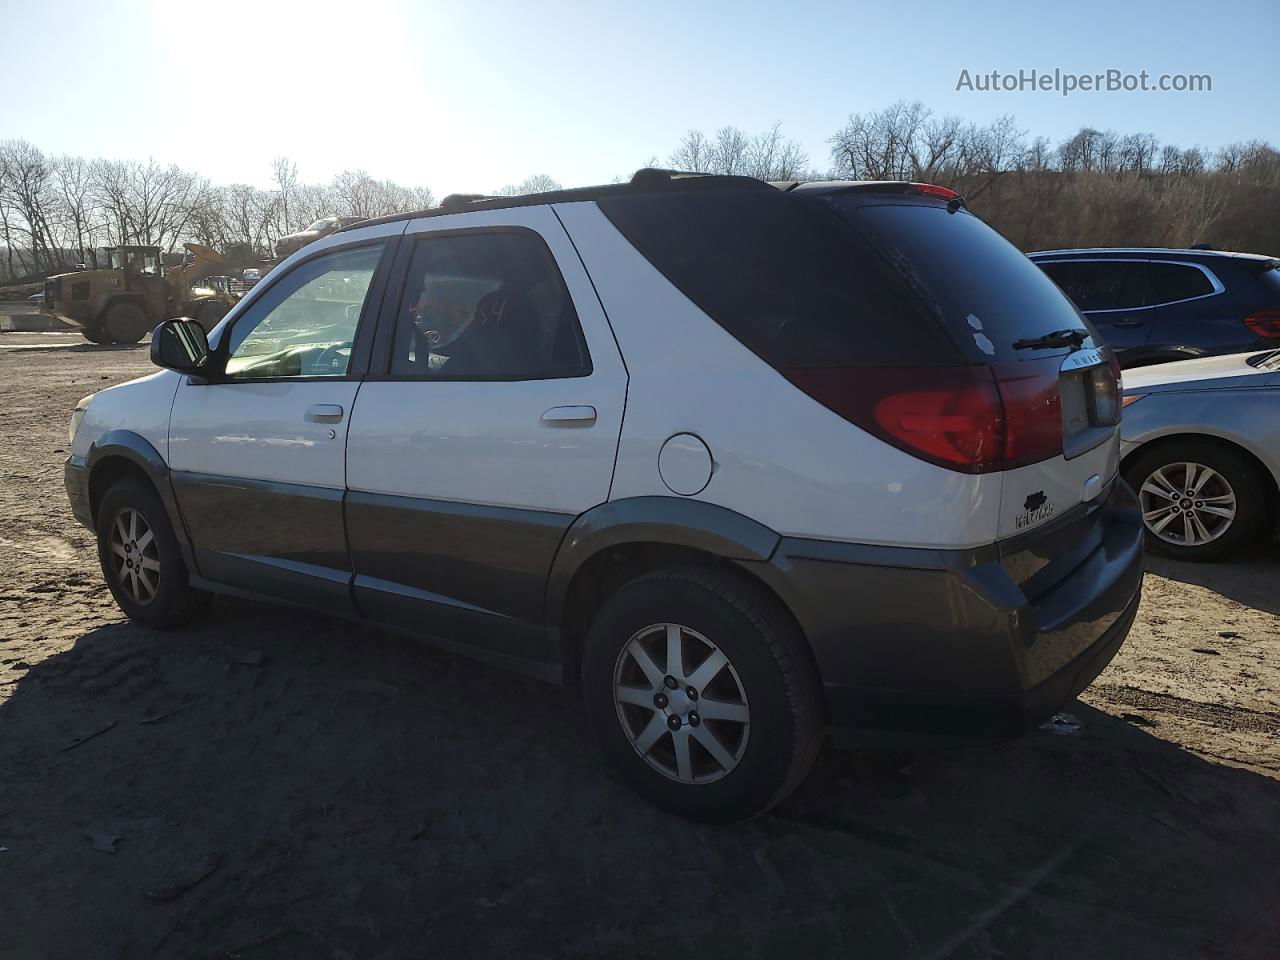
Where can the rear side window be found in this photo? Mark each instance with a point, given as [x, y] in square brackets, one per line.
[1170, 282]
[1101, 284]
[487, 306]
[784, 276]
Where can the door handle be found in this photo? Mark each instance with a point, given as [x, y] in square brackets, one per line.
[324, 413]
[1128, 322]
[580, 416]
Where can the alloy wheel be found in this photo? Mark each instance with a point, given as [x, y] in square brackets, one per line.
[1187, 504]
[687, 718]
[134, 558]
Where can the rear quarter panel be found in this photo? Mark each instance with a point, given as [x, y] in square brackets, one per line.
[1212, 325]
[780, 457]
[1248, 418]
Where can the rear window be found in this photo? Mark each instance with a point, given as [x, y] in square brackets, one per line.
[795, 284]
[981, 287]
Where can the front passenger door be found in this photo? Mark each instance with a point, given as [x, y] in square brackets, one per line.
[257, 454]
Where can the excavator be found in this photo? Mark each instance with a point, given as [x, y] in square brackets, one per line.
[123, 302]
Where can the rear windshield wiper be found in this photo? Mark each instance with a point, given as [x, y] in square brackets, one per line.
[1057, 338]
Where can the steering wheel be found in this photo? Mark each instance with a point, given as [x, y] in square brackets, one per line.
[333, 359]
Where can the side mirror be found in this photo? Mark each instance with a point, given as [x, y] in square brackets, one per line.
[180, 345]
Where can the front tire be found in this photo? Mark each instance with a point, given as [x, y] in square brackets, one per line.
[1201, 500]
[141, 560]
[702, 693]
[126, 323]
[95, 335]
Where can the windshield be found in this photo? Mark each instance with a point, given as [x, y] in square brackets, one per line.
[981, 287]
[321, 224]
[145, 262]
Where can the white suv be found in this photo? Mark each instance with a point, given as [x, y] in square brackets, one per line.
[745, 461]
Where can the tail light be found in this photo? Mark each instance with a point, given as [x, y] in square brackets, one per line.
[1265, 323]
[970, 419]
[1105, 393]
[933, 190]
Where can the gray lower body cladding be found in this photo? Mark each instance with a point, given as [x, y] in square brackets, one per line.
[912, 645]
[955, 645]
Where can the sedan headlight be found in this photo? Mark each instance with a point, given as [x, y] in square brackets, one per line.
[76, 416]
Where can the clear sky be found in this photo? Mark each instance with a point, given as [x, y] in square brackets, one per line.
[468, 96]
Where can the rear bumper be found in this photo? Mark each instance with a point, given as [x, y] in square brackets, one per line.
[935, 646]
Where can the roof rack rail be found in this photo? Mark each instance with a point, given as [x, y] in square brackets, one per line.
[645, 180]
[455, 200]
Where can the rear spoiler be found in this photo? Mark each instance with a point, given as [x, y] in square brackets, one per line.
[954, 199]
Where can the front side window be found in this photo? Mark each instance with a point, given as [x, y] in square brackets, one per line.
[487, 306]
[1100, 284]
[305, 324]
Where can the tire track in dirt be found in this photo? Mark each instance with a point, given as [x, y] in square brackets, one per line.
[1231, 717]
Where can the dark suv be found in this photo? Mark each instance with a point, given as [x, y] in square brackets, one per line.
[1158, 304]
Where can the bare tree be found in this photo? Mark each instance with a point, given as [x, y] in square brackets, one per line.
[538, 183]
[767, 155]
[284, 173]
[693, 154]
[27, 189]
[73, 177]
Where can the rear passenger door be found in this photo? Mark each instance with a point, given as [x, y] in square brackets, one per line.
[490, 423]
[1112, 294]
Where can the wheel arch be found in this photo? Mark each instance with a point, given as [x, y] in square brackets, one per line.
[623, 539]
[1149, 356]
[120, 453]
[1235, 444]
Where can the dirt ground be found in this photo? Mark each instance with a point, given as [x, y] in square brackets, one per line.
[271, 784]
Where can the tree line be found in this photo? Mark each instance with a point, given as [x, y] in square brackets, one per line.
[60, 210]
[1095, 188]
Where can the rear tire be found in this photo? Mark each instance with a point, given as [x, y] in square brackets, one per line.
[761, 722]
[1228, 483]
[141, 560]
[126, 323]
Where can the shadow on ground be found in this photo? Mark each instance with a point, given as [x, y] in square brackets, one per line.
[82, 347]
[269, 784]
[1252, 579]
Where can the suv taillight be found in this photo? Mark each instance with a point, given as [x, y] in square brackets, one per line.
[970, 419]
[1265, 323]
